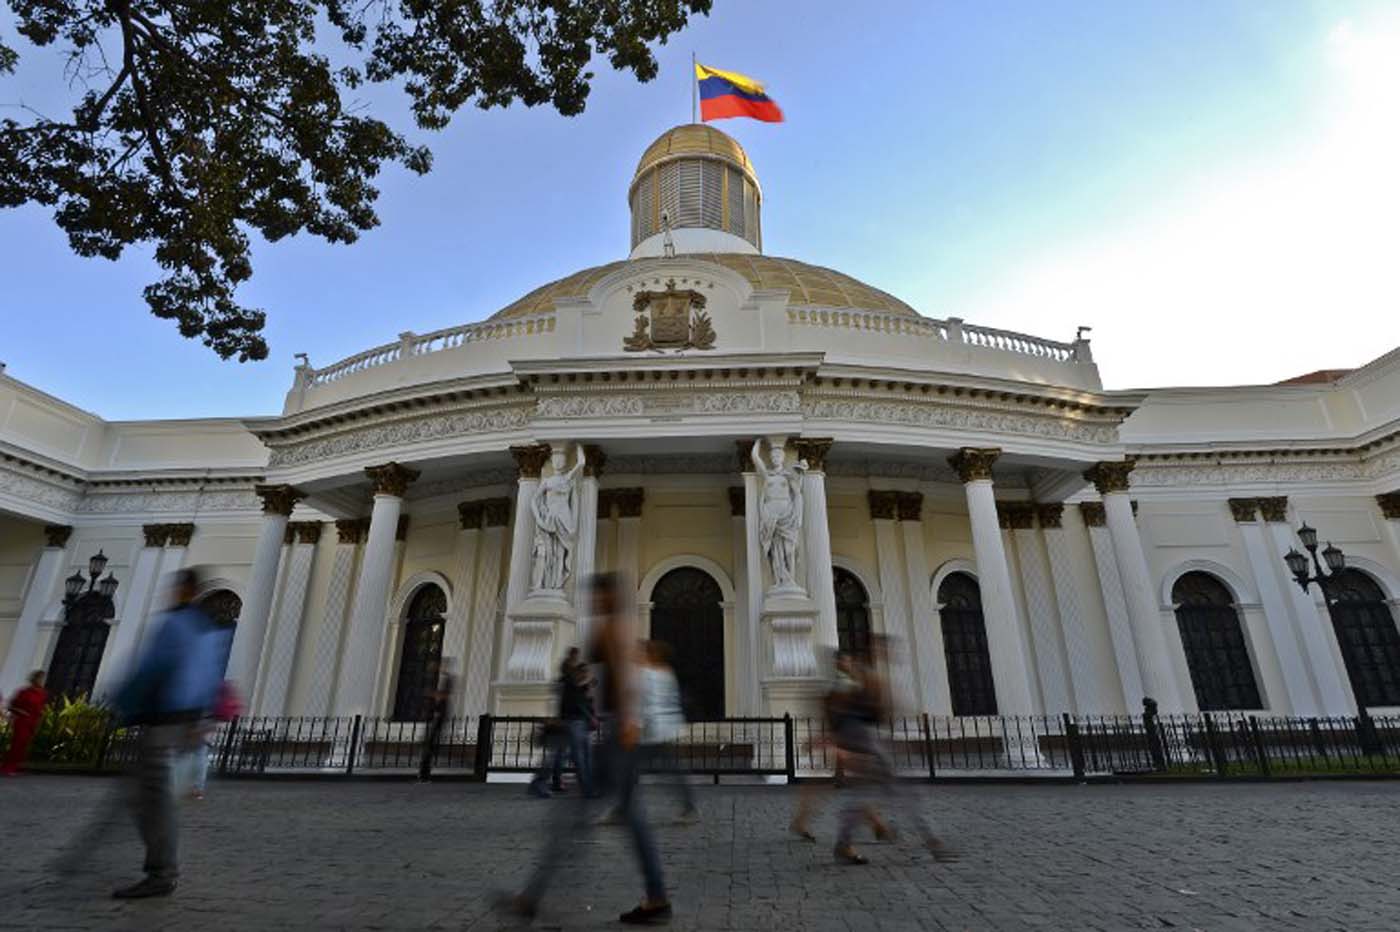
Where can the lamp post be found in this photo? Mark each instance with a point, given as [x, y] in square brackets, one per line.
[84, 635]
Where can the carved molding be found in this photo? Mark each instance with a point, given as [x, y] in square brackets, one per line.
[884, 506]
[1110, 476]
[909, 505]
[277, 499]
[736, 501]
[352, 530]
[1093, 514]
[1050, 514]
[932, 414]
[1274, 509]
[496, 511]
[974, 463]
[1244, 510]
[530, 459]
[498, 418]
[814, 450]
[1245, 472]
[629, 502]
[32, 489]
[663, 403]
[391, 478]
[305, 532]
[469, 514]
[1390, 504]
[56, 535]
[191, 502]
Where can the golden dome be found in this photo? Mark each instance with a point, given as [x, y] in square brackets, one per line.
[809, 285]
[693, 139]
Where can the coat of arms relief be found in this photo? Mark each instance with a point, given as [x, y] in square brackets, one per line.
[670, 319]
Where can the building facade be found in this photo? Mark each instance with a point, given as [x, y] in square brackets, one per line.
[780, 458]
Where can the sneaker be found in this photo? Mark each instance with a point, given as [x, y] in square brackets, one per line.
[646, 915]
[148, 887]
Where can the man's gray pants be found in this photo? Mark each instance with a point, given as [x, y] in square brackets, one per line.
[154, 797]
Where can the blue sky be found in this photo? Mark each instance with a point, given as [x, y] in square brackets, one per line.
[1209, 185]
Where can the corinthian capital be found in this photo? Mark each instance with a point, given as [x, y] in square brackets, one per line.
[278, 499]
[973, 463]
[814, 451]
[1390, 504]
[1110, 476]
[530, 459]
[1243, 509]
[391, 478]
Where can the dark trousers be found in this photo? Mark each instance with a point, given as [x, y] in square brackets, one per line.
[578, 745]
[430, 746]
[660, 759]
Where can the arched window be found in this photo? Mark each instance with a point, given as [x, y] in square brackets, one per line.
[421, 655]
[224, 606]
[1368, 637]
[965, 646]
[1216, 653]
[852, 613]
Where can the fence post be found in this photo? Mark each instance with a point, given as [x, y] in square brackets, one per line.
[1366, 735]
[1213, 745]
[1260, 751]
[1076, 750]
[354, 745]
[927, 725]
[1319, 746]
[109, 731]
[1153, 729]
[226, 751]
[482, 765]
[789, 747]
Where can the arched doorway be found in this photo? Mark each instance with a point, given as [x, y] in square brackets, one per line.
[224, 606]
[76, 656]
[1213, 639]
[687, 613]
[1368, 638]
[852, 613]
[965, 646]
[421, 655]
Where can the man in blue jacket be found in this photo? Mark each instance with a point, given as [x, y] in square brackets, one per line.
[174, 686]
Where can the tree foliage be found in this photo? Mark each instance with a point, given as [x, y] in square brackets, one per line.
[197, 123]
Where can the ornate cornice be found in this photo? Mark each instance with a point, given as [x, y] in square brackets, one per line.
[594, 460]
[56, 535]
[1390, 504]
[278, 499]
[1050, 514]
[1274, 509]
[1093, 514]
[875, 406]
[391, 478]
[629, 502]
[909, 505]
[814, 450]
[736, 501]
[884, 505]
[1110, 476]
[469, 514]
[1244, 510]
[305, 532]
[1020, 516]
[530, 459]
[352, 530]
[974, 463]
[496, 511]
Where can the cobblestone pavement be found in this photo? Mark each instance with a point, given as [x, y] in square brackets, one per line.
[284, 855]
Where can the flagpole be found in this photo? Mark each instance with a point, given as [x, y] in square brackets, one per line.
[694, 89]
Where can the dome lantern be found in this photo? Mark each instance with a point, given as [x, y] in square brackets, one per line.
[700, 183]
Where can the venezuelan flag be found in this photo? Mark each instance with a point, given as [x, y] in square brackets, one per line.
[730, 94]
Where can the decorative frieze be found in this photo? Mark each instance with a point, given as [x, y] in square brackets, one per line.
[663, 403]
[469, 514]
[931, 414]
[391, 478]
[1390, 504]
[736, 501]
[496, 511]
[55, 494]
[352, 530]
[1050, 514]
[884, 506]
[1093, 514]
[278, 499]
[1244, 510]
[1110, 476]
[814, 450]
[401, 432]
[56, 535]
[530, 459]
[1274, 509]
[629, 502]
[974, 463]
[909, 505]
[171, 502]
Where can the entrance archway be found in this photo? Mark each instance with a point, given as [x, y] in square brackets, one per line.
[687, 612]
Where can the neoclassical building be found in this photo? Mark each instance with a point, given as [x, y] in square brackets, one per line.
[779, 457]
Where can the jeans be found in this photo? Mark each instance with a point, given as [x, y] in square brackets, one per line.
[154, 798]
[572, 822]
[659, 758]
[575, 742]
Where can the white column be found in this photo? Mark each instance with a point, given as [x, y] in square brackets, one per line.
[927, 656]
[1120, 628]
[291, 608]
[43, 586]
[125, 637]
[1314, 624]
[262, 579]
[1301, 695]
[1010, 671]
[326, 662]
[1158, 678]
[463, 577]
[355, 691]
[530, 460]
[745, 649]
[752, 594]
[485, 613]
[883, 512]
[1042, 612]
[1083, 677]
[816, 538]
[586, 551]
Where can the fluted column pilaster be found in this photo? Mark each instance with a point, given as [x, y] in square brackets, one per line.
[249, 635]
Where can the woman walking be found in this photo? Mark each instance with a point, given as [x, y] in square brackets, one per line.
[26, 708]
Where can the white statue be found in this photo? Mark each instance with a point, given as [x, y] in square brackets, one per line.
[556, 524]
[780, 514]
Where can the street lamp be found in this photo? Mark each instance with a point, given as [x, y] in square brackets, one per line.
[1298, 563]
[84, 634]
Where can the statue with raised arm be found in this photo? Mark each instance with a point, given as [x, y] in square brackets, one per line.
[780, 514]
[555, 510]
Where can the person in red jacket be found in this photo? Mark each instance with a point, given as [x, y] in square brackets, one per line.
[26, 708]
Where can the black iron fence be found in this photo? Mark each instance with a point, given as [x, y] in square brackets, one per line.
[922, 746]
